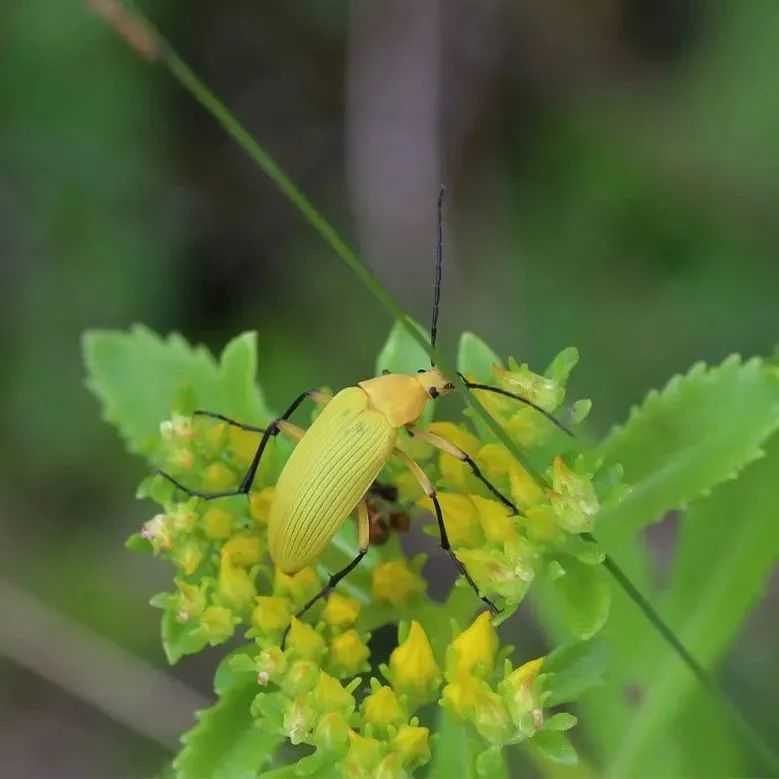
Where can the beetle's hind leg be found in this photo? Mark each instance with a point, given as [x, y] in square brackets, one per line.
[363, 540]
[429, 490]
[277, 426]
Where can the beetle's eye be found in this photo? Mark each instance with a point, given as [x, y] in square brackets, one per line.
[433, 392]
[421, 370]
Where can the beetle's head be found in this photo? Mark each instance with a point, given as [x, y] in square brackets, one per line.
[434, 382]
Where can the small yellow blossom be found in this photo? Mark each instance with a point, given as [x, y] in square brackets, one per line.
[340, 611]
[472, 699]
[217, 624]
[243, 444]
[473, 651]
[243, 549]
[546, 393]
[158, 531]
[525, 490]
[382, 709]
[391, 767]
[413, 670]
[348, 653]
[301, 678]
[519, 696]
[412, 743]
[330, 695]
[235, 587]
[271, 664]
[573, 498]
[299, 720]
[217, 476]
[332, 732]
[395, 582]
[190, 600]
[300, 587]
[260, 504]
[271, 614]
[188, 556]
[362, 758]
[506, 572]
[496, 522]
[462, 522]
[306, 641]
[217, 523]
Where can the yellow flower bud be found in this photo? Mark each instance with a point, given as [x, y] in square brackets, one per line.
[495, 521]
[217, 624]
[306, 642]
[183, 518]
[330, 695]
[413, 670]
[473, 651]
[300, 587]
[544, 392]
[299, 720]
[573, 498]
[181, 459]
[159, 532]
[217, 476]
[243, 549]
[217, 523]
[456, 473]
[188, 556]
[348, 653]
[525, 490]
[412, 743]
[214, 436]
[190, 600]
[332, 733]
[271, 664]
[542, 524]
[472, 699]
[301, 678]
[521, 700]
[391, 767]
[340, 611]
[362, 758]
[382, 709]
[235, 587]
[271, 614]
[395, 582]
[243, 444]
[260, 503]
[505, 572]
[462, 522]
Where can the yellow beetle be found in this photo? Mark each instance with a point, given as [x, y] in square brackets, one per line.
[335, 462]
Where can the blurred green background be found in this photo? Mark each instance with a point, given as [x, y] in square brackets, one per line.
[612, 177]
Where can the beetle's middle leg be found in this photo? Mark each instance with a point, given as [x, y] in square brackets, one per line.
[429, 490]
[271, 431]
[363, 540]
[447, 446]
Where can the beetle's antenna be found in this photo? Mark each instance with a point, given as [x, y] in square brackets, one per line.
[439, 266]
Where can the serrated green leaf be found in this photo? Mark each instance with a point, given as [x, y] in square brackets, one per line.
[700, 430]
[226, 743]
[727, 549]
[575, 669]
[475, 358]
[178, 638]
[139, 377]
[555, 746]
[582, 596]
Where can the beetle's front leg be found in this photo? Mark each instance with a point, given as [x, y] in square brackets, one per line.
[363, 540]
[447, 446]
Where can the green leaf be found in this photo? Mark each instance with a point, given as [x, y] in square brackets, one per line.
[726, 552]
[554, 746]
[179, 638]
[459, 751]
[139, 377]
[401, 353]
[697, 432]
[226, 743]
[476, 359]
[574, 669]
[583, 597]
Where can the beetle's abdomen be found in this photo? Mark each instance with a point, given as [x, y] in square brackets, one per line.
[328, 472]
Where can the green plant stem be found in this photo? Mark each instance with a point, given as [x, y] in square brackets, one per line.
[214, 106]
[750, 736]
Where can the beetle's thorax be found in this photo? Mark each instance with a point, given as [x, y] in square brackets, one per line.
[402, 397]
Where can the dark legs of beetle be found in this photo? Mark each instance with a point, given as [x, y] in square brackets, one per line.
[246, 483]
[233, 422]
[488, 484]
[444, 539]
[325, 591]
